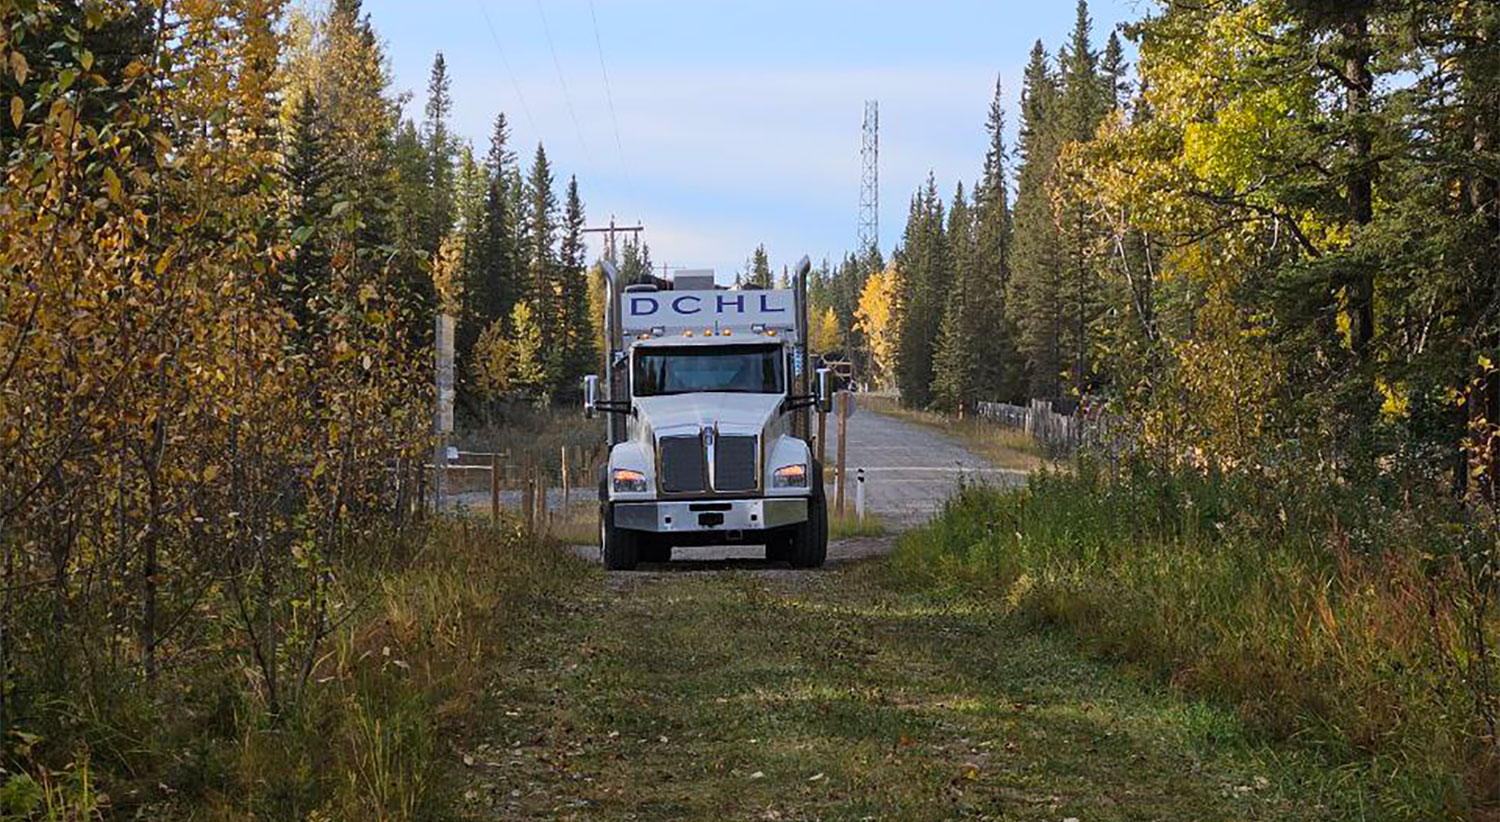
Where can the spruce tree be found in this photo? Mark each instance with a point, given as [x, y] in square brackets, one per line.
[307, 168]
[921, 289]
[577, 352]
[494, 281]
[1081, 106]
[955, 361]
[378, 175]
[1112, 73]
[440, 150]
[758, 269]
[999, 372]
[1032, 299]
[635, 260]
[541, 252]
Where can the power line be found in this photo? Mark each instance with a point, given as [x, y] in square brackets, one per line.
[567, 98]
[501, 51]
[609, 95]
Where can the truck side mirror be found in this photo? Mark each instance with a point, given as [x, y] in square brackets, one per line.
[590, 396]
[825, 396]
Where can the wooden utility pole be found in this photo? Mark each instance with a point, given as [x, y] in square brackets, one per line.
[442, 418]
[609, 232]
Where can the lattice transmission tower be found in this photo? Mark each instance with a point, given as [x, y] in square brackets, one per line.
[869, 185]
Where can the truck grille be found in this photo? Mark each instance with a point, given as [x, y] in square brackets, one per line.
[682, 465]
[734, 464]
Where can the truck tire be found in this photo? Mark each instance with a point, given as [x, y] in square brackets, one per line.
[809, 548]
[618, 547]
[778, 548]
[653, 549]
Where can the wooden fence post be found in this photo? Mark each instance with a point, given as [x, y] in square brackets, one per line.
[495, 487]
[843, 426]
[528, 502]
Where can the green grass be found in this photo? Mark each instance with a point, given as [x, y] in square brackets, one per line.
[1323, 619]
[849, 526]
[843, 695]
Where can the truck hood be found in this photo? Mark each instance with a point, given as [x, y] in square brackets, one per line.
[682, 414]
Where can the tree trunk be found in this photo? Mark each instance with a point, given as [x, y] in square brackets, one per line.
[1360, 84]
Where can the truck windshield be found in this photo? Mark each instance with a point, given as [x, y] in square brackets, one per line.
[737, 369]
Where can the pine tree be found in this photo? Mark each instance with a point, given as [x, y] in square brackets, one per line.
[758, 269]
[499, 255]
[578, 352]
[922, 281]
[440, 150]
[1081, 106]
[956, 358]
[1112, 73]
[635, 260]
[1000, 372]
[307, 168]
[377, 173]
[493, 282]
[542, 266]
[1032, 299]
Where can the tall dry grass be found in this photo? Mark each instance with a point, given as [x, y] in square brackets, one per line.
[1349, 625]
[370, 738]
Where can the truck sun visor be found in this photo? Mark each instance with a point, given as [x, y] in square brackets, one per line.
[707, 312]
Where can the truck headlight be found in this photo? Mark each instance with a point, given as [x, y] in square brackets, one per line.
[792, 476]
[628, 481]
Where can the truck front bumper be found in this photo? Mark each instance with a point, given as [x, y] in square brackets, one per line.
[697, 516]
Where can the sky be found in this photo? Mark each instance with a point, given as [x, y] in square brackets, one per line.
[726, 125]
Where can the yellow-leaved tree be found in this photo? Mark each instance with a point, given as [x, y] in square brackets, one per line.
[875, 320]
[825, 334]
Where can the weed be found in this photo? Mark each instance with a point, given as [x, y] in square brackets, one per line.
[367, 737]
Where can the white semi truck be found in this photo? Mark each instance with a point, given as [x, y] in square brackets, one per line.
[709, 397]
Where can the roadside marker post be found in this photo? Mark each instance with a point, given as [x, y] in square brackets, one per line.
[859, 494]
[822, 443]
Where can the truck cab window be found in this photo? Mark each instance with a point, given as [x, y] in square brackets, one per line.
[736, 369]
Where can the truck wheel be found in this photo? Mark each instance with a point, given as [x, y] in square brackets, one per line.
[654, 549]
[778, 548]
[809, 547]
[619, 548]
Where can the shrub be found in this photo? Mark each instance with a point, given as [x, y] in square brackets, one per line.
[1324, 614]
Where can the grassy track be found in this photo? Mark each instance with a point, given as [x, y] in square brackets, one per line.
[835, 695]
